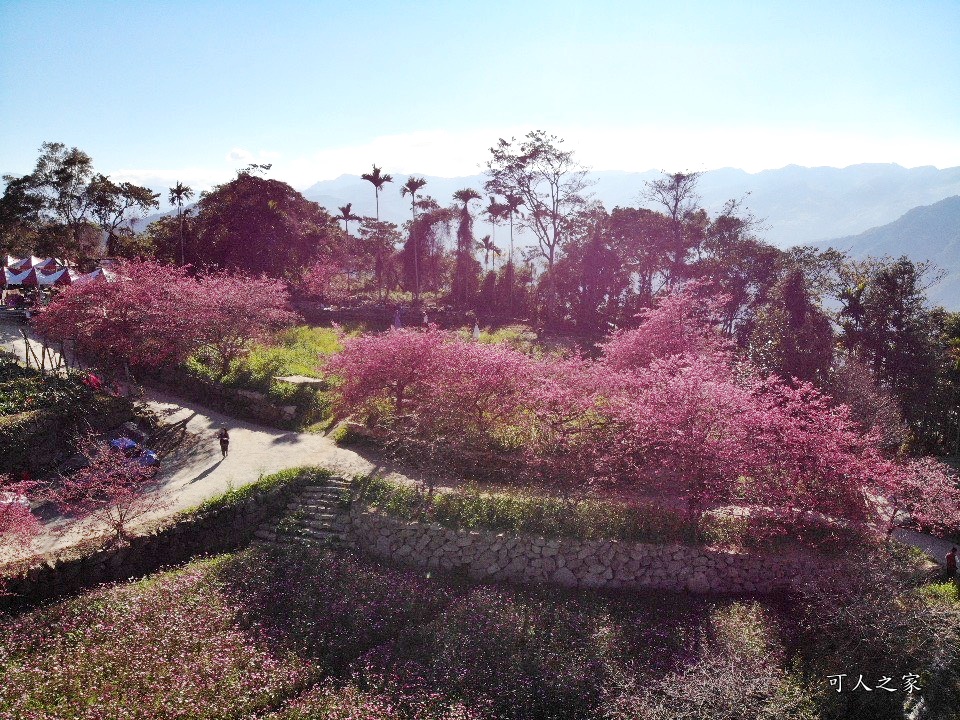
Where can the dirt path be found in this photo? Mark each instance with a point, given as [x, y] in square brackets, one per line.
[935, 547]
[195, 471]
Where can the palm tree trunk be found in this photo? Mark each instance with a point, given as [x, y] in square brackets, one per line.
[180, 219]
[416, 250]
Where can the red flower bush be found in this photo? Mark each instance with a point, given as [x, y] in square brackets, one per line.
[667, 411]
[18, 524]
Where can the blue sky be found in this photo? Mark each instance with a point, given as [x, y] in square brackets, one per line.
[162, 91]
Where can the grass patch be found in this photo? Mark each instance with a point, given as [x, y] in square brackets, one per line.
[296, 351]
[525, 513]
[267, 484]
[942, 592]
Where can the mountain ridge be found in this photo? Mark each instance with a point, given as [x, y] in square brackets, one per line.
[798, 205]
[925, 233]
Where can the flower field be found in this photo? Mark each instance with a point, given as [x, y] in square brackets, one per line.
[317, 634]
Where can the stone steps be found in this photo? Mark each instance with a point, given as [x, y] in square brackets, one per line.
[315, 517]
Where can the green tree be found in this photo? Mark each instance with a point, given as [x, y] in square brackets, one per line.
[260, 225]
[411, 187]
[179, 194]
[346, 216]
[495, 211]
[513, 205]
[21, 221]
[59, 183]
[552, 186]
[378, 181]
[677, 194]
[739, 266]
[464, 285]
[592, 280]
[380, 239]
[488, 248]
[792, 336]
[111, 205]
[885, 320]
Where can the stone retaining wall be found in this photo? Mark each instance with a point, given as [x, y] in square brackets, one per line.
[216, 531]
[498, 556]
[248, 404]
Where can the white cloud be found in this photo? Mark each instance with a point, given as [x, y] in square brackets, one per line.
[633, 148]
[239, 155]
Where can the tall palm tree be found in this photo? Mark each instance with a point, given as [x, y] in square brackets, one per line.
[486, 244]
[513, 206]
[465, 196]
[378, 181]
[411, 187]
[462, 288]
[347, 216]
[495, 211]
[512, 209]
[180, 193]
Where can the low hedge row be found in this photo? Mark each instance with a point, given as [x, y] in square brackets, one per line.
[525, 513]
[292, 479]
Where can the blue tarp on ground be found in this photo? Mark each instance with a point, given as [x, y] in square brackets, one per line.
[123, 443]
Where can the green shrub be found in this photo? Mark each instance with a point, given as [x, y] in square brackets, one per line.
[297, 351]
[942, 592]
[346, 434]
[265, 485]
[525, 513]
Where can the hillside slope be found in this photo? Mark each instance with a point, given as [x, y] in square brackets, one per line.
[931, 232]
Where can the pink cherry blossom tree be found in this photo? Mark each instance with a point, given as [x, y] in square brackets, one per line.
[682, 322]
[18, 524]
[668, 412]
[144, 316]
[325, 280]
[928, 491]
[152, 315]
[387, 373]
[238, 309]
[112, 490]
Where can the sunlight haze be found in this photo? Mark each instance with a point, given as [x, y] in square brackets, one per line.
[194, 91]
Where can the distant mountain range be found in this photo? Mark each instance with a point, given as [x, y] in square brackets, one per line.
[798, 205]
[931, 232]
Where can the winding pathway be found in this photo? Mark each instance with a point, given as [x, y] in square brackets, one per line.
[196, 472]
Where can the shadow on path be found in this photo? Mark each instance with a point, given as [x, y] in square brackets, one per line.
[206, 472]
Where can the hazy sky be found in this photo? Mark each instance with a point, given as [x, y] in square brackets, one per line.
[162, 91]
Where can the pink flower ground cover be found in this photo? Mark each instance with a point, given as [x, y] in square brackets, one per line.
[317, 635]
[164, 648]
[314, 634]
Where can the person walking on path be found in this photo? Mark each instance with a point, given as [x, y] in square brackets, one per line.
[951, 564]
[224, 437]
